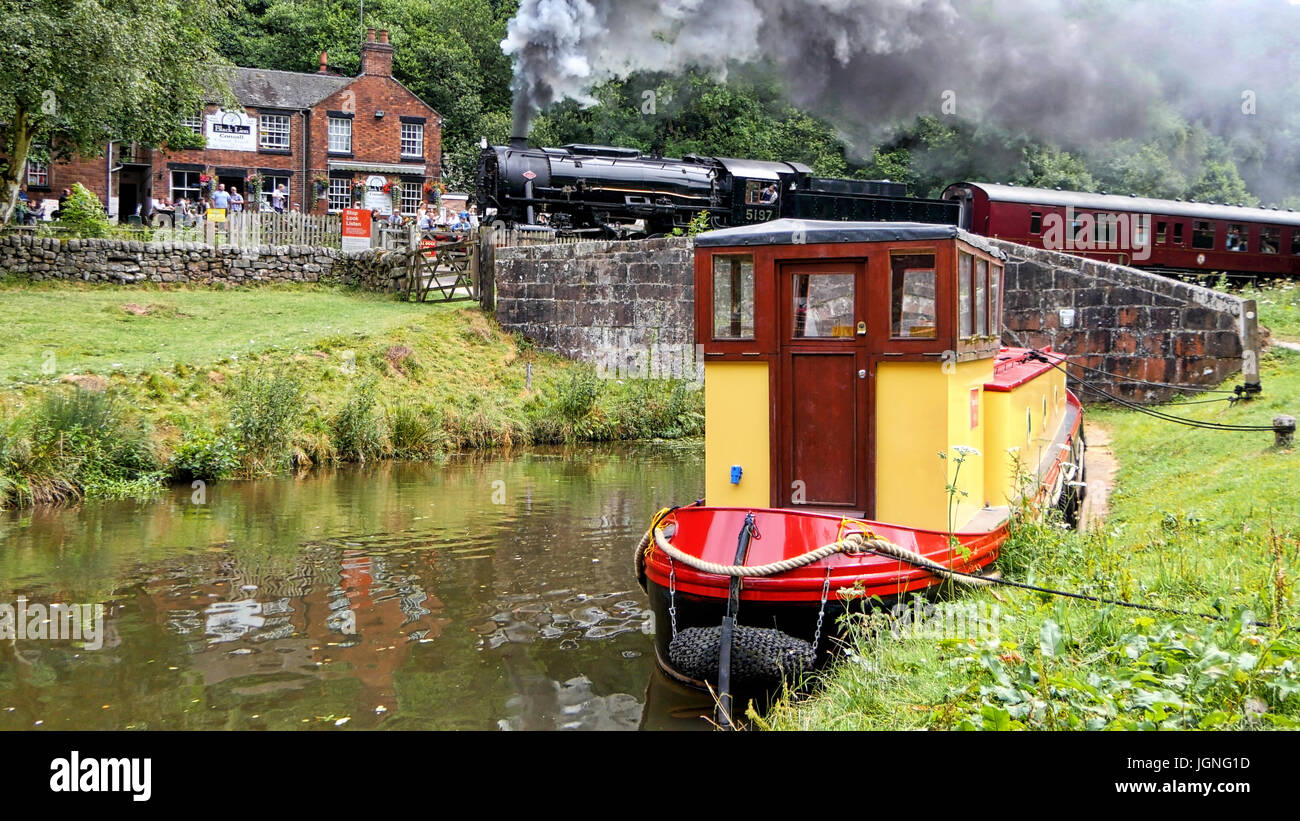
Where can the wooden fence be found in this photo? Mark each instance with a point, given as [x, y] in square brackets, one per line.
[246, 229]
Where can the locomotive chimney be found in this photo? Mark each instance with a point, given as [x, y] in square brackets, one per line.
[519, 143]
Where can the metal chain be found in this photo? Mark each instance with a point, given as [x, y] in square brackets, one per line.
[821, 613]
[672, 594]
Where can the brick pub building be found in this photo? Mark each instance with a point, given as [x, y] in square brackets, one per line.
[329, 140]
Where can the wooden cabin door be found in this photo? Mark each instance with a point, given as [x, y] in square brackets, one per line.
[823, 427]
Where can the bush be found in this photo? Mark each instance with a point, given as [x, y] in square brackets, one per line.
[203, 454]
[356, 428]
[264, 409]
[83, 214]
[415, 433]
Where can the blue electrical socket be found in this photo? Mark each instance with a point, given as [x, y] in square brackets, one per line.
[736, 471]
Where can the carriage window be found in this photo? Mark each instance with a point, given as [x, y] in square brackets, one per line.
[912, 296]
[733, 297]
[965, 270]
[1238, 238]
[1035, 222]
[995, 300]
[1178, 233]
[981, 297]
[1295, 242]
[1270, 240]
[823, 306]
[1202, 234]
[1160, 232]
[1140, 225]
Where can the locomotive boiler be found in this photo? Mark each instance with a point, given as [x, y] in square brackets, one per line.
[622, 192]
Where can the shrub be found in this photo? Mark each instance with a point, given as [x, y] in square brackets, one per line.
[84, 214]
[416, 433]
[264, 408]
[203, 454]
[356, 428]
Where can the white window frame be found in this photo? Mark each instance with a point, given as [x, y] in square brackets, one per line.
[276, 136]
[412, 197]
[415, 140]
[269, 182]
[187, 193]
[38, 174]
[340, 194]
[340, 135]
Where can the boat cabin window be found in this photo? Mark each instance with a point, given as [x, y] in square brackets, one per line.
[733, 297]
[1270, 239]
[912, 296]
[965, 297]
[1202, 234]
[995, 300]
[823, 306]
[981, 297]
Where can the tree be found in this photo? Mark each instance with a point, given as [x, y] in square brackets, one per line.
[78, 73]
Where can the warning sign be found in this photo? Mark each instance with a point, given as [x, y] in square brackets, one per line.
[356, 229]
[216, 215]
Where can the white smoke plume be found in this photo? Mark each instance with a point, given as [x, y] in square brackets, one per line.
[1070, 70]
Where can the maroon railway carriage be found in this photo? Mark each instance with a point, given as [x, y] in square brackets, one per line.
[1180, 236]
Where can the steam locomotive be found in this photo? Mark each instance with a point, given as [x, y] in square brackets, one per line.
[622, 192]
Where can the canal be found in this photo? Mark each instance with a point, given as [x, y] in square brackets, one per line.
[491, 591]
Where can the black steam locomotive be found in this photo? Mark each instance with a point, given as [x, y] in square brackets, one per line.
[622, 192]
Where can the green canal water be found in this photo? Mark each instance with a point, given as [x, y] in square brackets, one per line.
[493, 591]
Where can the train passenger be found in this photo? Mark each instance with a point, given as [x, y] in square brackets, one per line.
[769, 194]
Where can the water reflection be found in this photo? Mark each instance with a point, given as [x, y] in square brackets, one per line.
[494, 591]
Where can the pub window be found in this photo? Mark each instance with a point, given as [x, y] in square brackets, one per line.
[1202, 234]
[1238, 237]
[411, 196]
[274, 129]
[194, 123]
[340, 194]
[412, 139]
[38, 174]
[1270, 240]
[1161, 231]
[981, 297]
[185, 186]
[733, 297]
[269, 183]
[823, 305]
[1178, 233]
[340, 134]
[912, 296]
[1035, 222]
[965, 270]
[995, 300]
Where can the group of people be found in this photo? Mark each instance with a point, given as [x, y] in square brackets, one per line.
[440, 219]
[187, 213]
[29, 211]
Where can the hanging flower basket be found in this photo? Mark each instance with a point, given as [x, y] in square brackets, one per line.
[358, 190]
[322, 187]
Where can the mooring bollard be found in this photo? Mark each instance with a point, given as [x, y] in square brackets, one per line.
[1284, 431]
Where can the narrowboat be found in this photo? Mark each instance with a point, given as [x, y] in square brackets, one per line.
[867, 434]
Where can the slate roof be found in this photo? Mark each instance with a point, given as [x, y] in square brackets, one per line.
[267, 88]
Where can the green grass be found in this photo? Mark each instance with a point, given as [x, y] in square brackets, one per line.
[245, 383]
[1279, 308]
[86, 328]
[1202, 521]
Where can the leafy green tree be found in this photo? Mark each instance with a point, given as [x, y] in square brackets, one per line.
[77, 73]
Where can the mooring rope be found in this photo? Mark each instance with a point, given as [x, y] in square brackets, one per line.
[853, 543]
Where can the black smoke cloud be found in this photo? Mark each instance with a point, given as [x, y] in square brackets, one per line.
[1074, 71]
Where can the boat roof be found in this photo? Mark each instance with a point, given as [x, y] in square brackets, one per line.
[1121, 202]
[814, 232]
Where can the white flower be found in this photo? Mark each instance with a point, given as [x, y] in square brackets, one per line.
[966, 450]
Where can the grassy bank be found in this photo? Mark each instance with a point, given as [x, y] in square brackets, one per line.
[153, 385]
[1202, 521]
